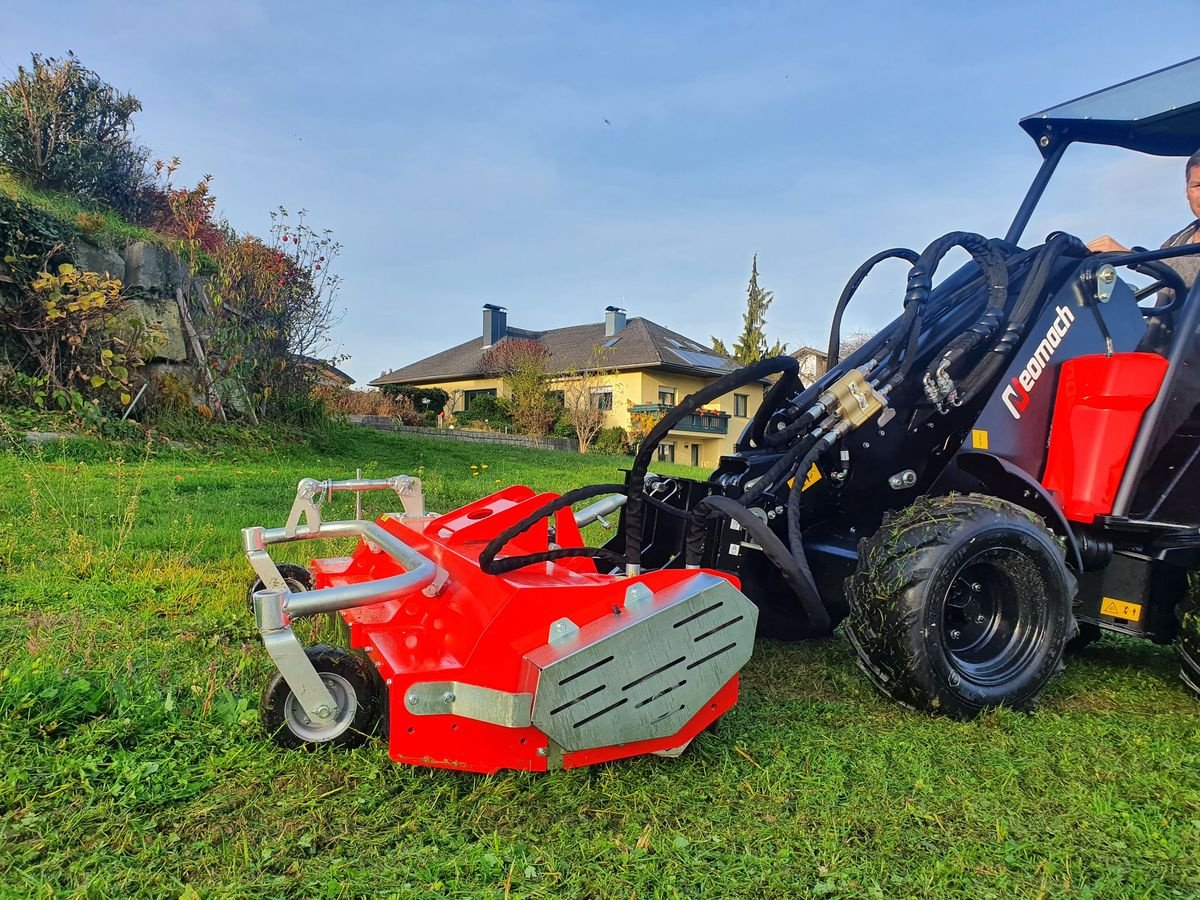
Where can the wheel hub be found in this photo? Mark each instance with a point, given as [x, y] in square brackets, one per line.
[329, 726]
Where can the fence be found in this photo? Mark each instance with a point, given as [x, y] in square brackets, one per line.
[384, 423]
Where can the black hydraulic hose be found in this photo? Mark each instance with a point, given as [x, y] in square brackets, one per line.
[635, 506]
[492, 566]
[787, 385]
[835, 330]
[991, 263]
[1056, 246]
[794, 524]
[795, 574]
[780, 470]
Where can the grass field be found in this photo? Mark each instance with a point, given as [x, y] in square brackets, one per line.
[132, 764]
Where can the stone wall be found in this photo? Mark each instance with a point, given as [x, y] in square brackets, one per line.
[384, 423]
[150, 274]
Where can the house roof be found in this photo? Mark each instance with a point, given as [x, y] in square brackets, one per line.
[327, 367]
[810, 351]
[641, 344]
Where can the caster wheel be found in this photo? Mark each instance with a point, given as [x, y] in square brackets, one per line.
[355, 688]
[297, 578]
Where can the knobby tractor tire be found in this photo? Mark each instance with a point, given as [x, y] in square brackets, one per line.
[960, 604]
[355, 688]
[1188, 641]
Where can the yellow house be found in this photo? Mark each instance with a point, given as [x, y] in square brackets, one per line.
[647, 369]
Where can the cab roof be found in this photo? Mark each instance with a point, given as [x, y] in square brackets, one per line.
[1158, 113]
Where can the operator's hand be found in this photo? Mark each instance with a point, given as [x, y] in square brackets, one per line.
[1105, 244]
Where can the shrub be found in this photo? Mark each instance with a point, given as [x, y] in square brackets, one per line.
[62, 127]
[564, 429]
[418, 395]
[611, 440]
[496, 411]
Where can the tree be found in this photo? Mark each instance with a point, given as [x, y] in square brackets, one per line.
[579, 390]
[523, 364]
[752, 345]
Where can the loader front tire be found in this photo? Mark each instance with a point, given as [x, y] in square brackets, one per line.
[960, 604]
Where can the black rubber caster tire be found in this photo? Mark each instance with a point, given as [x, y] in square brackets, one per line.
[355, 688]
[960, 604]
[297, 578]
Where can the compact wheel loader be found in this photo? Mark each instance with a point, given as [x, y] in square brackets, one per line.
[1007, 469]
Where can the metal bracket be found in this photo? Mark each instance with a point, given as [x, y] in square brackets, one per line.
[288, 655]
[312, 494]
[470, 701]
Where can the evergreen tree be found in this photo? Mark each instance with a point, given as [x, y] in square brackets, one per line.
[751, 345]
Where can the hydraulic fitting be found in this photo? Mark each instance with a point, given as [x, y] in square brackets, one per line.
[853, 400]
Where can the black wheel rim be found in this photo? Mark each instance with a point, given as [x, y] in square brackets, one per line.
[995, 615]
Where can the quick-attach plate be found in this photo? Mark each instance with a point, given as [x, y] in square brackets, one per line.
[644, 673]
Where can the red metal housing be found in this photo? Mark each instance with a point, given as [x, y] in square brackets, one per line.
[477, 629]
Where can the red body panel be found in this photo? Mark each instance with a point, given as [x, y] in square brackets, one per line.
[1098, 410]
[478, 628]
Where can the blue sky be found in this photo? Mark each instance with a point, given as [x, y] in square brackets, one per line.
[556, 158]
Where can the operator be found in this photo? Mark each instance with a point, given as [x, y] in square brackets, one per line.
[1187, 266]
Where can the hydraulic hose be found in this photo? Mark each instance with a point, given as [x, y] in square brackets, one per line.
[793, 566]
[993, 266]
[492, 566]
[1056, 246]
[835, 330]
[635, 508]
[920, 282]
[788, 384]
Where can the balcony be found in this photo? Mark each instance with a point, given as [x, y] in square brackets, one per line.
[697, 423]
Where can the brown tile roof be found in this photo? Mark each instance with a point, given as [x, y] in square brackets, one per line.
[641, 344]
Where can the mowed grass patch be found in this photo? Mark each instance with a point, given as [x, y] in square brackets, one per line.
[132, 764]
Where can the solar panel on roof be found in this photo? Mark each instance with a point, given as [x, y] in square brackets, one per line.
[704, 360]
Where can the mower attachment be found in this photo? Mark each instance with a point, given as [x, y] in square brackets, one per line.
[554, 665]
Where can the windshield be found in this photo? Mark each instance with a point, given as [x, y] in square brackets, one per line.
[1157, 113]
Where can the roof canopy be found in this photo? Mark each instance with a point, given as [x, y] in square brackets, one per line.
[1157, 113]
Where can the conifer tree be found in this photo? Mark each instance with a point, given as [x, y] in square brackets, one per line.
[752, 345]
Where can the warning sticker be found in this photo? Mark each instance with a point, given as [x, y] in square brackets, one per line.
[1121, 609]
[979, 439]
[813, 476]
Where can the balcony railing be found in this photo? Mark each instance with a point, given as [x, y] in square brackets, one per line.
[699, 422]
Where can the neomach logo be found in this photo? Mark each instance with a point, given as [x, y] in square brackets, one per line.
[1016, 395]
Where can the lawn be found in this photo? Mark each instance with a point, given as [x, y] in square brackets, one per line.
[132, 764]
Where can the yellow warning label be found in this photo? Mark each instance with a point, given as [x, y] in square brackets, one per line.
[1120, 609]
[813, 476]
[979, 439]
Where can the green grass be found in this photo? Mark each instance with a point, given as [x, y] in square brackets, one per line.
[131, 762]
[109, 228]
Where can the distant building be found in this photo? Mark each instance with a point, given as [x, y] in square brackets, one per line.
[327, 374]
[813, 363]
[652, 368]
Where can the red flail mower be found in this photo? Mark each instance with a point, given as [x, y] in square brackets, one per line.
[551, 665]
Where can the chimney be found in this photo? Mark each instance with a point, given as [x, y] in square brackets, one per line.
[614, 320]
[495, 324]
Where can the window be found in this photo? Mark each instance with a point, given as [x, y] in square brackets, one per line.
[666, 396]
[741, 403]
[558, 398]
[602, 398]
[666, 452]
[469, 396]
